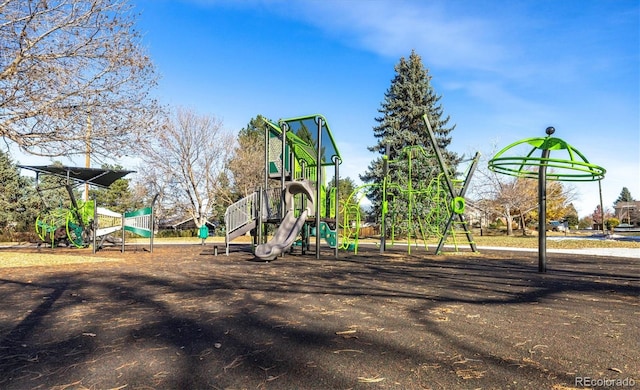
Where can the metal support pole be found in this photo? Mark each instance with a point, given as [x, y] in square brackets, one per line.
[318, 184]
[259, 207]
[542, 207]
[74, 203]
[601, 207]
[266, 159]
[95, 225]
[284, 127]
[542, 213]
[152, 222]
[262, 228]
[383, 226]
[122, 220]
[336, 179]
[305, 231]
[87, 157]
[410, 205]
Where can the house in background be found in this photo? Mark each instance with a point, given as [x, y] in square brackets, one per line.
[186, 224]
[628, 213]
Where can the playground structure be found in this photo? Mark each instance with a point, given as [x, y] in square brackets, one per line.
[433, 209]
[294, 196]
[292, 222]
[81, 223]
[574, 167]
[302, 205]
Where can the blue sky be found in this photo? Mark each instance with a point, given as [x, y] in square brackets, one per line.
[505, 69]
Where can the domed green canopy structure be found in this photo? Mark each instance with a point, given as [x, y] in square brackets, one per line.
[573, 166]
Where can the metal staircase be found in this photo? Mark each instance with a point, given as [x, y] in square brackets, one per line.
[242, 216]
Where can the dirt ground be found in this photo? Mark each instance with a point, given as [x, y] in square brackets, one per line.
[182, 318]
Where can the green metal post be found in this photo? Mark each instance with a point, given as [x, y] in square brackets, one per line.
[336, 179]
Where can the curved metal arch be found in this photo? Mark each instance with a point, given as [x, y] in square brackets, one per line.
[575, 162]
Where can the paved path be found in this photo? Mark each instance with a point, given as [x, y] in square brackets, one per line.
[633, 253]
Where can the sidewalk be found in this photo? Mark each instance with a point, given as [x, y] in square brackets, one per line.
[633, 253]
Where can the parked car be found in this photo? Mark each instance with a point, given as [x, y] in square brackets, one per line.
[556, 226]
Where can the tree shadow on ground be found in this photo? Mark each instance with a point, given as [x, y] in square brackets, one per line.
[396, 321]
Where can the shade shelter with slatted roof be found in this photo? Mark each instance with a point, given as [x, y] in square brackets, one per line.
[76, 219]
[76, 175]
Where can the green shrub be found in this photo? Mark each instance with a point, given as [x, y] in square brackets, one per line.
[611, 223]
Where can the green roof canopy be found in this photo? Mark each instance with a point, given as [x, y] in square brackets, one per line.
[302, 136]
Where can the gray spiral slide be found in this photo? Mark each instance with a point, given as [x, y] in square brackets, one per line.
[290, 225]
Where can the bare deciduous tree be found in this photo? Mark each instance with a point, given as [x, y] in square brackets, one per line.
[247, 164]
[502, 195]
[65, 62]
[508, 196]
[186, 164]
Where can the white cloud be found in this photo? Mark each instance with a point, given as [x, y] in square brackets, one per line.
[391, 29]
[509, 69]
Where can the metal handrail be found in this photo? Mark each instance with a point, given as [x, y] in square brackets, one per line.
[241, 213]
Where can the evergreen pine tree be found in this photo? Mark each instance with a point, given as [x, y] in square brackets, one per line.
[409, 97]
[18, 203]
[9, 179]
[625, 196]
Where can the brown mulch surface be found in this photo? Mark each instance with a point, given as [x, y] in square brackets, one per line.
[181, 318]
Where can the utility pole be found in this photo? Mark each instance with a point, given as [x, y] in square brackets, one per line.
[87, 158]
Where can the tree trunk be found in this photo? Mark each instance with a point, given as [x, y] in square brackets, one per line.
[523, 225]
[509, 225]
